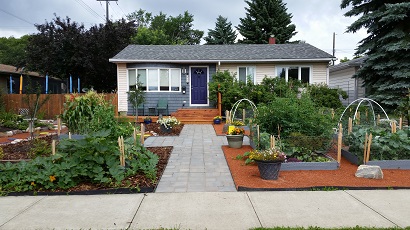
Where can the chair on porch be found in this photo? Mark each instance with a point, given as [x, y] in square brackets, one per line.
[162, 105]
[141, 107]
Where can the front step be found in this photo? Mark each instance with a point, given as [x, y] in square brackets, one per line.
[196, 116]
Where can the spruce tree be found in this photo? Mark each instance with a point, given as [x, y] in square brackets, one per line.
[386, 72]
[265, 18]
[222, 34]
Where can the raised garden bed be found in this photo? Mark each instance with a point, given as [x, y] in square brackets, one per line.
[384, 164]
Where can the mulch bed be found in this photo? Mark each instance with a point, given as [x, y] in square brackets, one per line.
[247, 177]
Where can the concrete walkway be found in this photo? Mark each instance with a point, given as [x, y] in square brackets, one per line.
[197, 163]
[209, 210]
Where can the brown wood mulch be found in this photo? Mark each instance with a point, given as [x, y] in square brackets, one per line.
[248, 177]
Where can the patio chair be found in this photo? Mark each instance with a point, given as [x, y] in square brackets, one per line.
[141, 107]
[162, 105]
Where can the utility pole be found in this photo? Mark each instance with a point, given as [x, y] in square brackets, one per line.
[334, 45]
[106, 5]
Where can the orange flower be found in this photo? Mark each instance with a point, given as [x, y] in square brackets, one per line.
[52, 178]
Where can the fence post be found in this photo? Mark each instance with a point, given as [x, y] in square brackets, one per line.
[339, 144]
[219, 101]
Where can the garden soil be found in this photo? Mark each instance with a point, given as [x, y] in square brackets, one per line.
[247, 177]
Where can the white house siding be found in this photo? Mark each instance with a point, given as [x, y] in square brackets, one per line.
[122, 82]
[343, 79]
[319, 73]
[318, 70]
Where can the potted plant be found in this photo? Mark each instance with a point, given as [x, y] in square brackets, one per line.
[217, 120]
[268, 161]
[147, 120]
[166, 124]
[235, 137]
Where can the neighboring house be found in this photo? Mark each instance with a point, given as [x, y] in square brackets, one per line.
[181, 73]
[7, 71]
[341, 76]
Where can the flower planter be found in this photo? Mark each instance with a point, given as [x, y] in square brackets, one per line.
[165, 130]
[217, 121]
[269, 170]
[235, 141]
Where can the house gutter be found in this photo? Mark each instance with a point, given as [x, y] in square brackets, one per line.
[219, 61]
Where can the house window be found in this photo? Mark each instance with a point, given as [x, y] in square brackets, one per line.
[245, 72]
[294, 73]
[156, 80]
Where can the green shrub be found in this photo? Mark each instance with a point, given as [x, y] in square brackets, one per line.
[323, 96]
[284, 116]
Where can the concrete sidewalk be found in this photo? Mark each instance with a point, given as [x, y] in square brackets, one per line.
[219, 210]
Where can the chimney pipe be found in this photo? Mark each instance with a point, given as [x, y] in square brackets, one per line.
[272, 39]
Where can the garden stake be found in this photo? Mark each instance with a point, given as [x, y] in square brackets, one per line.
[122, 153]
[378, 119]
[243, 115]
[350, 126]
[258, 135]
[393, 127]
[58, 126]
[69, 135]
[365, 148]
[368, 148]
[401, 123]
[228, 117]
[53, 147]
[272, 142]
[142, 133]
[135, 136]
[333, 114]
[339, 144]
[358, 118]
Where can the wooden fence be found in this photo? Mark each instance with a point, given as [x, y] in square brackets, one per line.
[53, 107]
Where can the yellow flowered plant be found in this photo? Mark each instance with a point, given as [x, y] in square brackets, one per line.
[273, 155]
[236, 131]
[52, 178]
[217, 118]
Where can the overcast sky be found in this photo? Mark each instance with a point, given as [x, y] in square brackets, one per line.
[315, 20]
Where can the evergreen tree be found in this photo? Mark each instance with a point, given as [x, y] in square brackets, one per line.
[386, 72]
[265, 18]
[222, 34]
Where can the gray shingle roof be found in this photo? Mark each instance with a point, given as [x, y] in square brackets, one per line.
[238, 52]
[352, 63]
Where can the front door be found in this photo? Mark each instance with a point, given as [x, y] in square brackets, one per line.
[199, 86]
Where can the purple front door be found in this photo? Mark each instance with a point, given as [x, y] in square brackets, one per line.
[199, 86]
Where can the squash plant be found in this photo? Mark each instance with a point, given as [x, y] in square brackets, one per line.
[385, 144]
[94, 159]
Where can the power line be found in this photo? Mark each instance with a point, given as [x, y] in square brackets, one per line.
[121, 9]
[89, 9]
[115, 12]
[22, 19]
[106, 7]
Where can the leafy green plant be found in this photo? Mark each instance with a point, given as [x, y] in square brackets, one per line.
[39, 147]
[94, 159]
[90, 113]
[323, 96]
[385, 145]
[284, 116]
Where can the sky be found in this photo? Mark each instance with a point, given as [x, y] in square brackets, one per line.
[315, 20]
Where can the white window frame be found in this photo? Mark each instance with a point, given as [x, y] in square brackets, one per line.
[246, 69]
[299, 71]
[159, 80]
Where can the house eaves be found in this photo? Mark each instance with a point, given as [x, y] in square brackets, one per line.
[221, 61]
